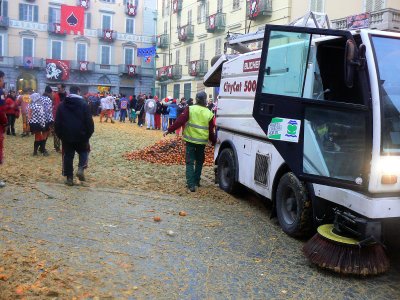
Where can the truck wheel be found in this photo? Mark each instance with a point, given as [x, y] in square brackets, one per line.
[293, 206]
[226, 171]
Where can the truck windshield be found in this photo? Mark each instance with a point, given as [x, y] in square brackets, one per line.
[387, 52]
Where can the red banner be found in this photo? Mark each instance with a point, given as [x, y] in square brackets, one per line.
[175, 6]
[57, 69]
[83, 66]
[254, 9]
[131, 9]
[193, 68]
[72, 19]
[131, 70]
[108, 34]
[211, 21]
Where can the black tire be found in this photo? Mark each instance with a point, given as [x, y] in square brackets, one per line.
[293, 206]
[226, 171]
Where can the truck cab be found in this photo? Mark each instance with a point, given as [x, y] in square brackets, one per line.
[315, 111]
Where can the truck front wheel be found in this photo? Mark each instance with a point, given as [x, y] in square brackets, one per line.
[293, 206]
[226, 171]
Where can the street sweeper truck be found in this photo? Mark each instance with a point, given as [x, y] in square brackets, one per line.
[312, 122]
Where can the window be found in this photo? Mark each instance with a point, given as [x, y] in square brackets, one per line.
[177, 88]
[88, 20]
[189, 21]
[54, 15]
[4, 8]
[201, 13]
[218, 46]
[130, 25]
[202, 50]
[219, 6]
[236, 4]
[56, 49]
[165, 27]
[373, 5]
[81, 52]
[187, 90]
[187, 55]
[27, 47]
[106, 22]
[108, 1]
[105, 55]
[1, 45]
[177, 55]
[317, 5]
[129, 56]
[28, 12]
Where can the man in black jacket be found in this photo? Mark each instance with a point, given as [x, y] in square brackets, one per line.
[74, 126]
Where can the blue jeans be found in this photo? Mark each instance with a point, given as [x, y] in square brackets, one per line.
[123, 115]
[116, 115]
[68, 154]
[164, 122]
[150, 120]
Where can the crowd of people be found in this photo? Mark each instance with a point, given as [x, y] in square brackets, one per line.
[50, 114]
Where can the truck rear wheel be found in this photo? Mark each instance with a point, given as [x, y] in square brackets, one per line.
[226, 171]
[293, 206]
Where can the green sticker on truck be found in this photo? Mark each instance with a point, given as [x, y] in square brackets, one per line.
[282, 129]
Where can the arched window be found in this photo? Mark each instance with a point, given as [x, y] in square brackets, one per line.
[27, 81]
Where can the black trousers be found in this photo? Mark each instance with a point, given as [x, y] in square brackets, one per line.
[11, 124]
[68, 154]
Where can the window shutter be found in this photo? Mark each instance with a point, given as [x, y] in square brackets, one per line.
[88, 20]
[188, 55]
[202, 50]
[5, 8]
[177, 54]
[219, 6]
[198, 14]
[36, 14]
[21, 11]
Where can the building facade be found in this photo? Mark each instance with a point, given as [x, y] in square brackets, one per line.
[98, 60]
[191, 32]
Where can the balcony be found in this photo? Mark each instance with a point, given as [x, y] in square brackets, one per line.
[164, 73]
[6, 61]
[163, 41]
[28, 62]
[125, 69]
[130, 9]
[106, 69]
[55, 28]
[186, 33]
[386, 19]
[257, 9]
[198, 68]
[82, 66]
[176, 6]
[107, 35]
[216, 22]
[176, 72]
[4, 22]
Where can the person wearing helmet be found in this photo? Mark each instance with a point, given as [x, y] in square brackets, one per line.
[199, 129]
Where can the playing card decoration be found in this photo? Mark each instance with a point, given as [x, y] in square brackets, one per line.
[72, 19]
[83, 66]
[57, 70]
[131, 70]
[108, 35]
[211, 22]
[182, 35]
[131, 9]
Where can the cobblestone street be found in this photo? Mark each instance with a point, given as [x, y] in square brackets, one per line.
[100, 241]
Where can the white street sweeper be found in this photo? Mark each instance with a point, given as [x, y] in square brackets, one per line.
[312, 122]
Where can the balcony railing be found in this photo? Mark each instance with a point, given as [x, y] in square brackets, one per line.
[125, 69]
[257, 9]
[216, 22]
[107, 35]
[106, 69]
[82, 66]
[55, 28]
[385, 19]
[164, 73]
[198, 67]
[28, 62]
[4, 22]
[7, 61]
[176, 6]
[176, 72]
[186, 33]
[163, 41]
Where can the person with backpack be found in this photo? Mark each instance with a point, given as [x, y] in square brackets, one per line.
[123, 106]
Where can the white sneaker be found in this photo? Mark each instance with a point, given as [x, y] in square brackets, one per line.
[2, 184]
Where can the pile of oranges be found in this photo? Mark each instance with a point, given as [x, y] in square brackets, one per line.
[168, 152]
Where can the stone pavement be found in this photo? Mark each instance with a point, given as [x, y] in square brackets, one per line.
[220, 250]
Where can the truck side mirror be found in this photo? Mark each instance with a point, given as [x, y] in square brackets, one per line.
[349, 56]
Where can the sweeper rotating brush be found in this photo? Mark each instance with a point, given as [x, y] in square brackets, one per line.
[344, 255]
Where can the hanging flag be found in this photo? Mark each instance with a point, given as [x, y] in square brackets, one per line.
[175, 6]
[57, 69]
[83, 66]
[254, 9]
[143, 52]
[85, 3]
[147, 59]
[72, 19]
[131, 70]
[108, 34]
[28, 62]
[131, 9]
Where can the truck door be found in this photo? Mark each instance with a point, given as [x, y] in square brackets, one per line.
[319, 125]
